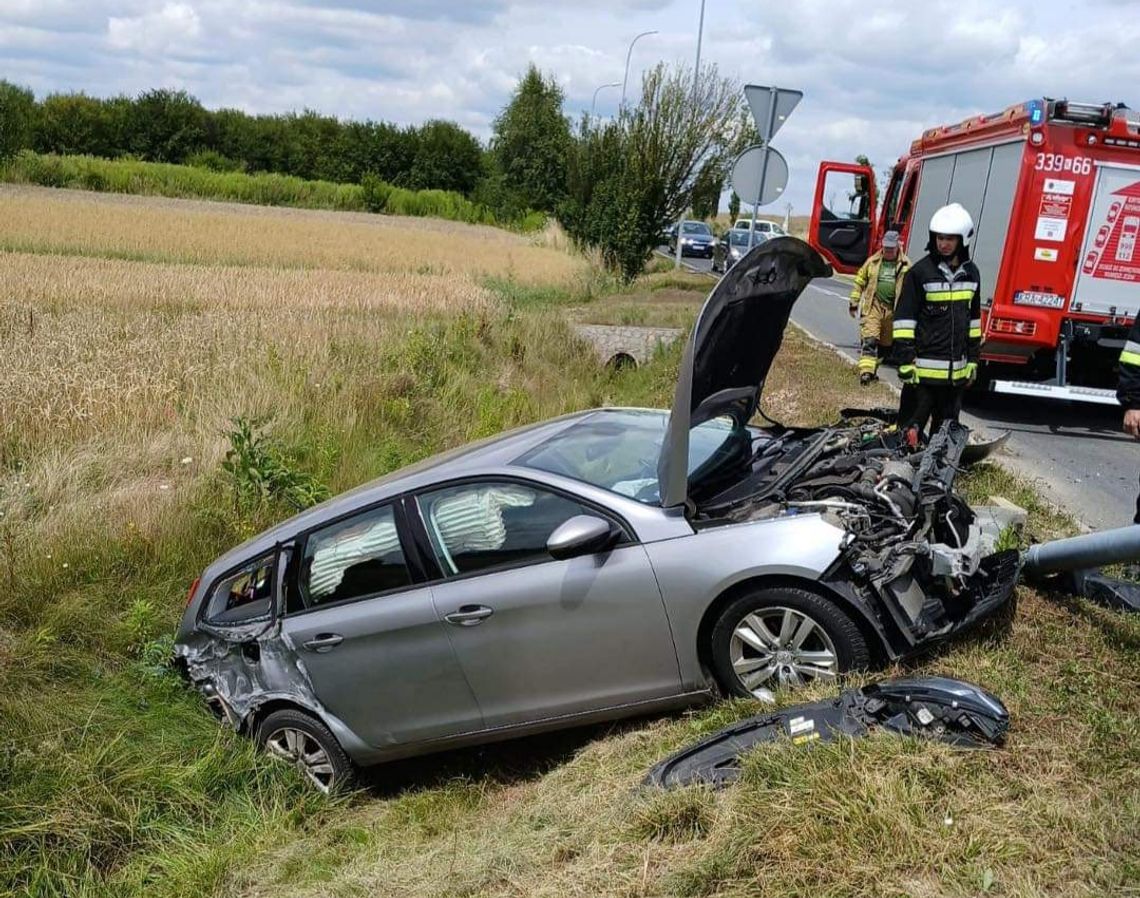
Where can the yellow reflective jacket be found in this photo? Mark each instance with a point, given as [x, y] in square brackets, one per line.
[867, 278]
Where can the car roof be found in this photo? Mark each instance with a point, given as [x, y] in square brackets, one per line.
[471, 458]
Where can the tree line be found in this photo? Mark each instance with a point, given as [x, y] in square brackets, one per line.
[172, 126]
[614, 184]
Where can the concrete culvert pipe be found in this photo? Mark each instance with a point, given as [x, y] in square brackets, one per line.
[621, 361]
[1092, 550]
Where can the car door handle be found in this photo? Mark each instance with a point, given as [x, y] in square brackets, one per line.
[323, 642]
[469, 615]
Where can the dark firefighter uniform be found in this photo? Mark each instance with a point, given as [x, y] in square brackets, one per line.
[937, 335]
[1128, 390]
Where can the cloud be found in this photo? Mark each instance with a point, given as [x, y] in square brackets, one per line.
[155, 32]
[873, 78]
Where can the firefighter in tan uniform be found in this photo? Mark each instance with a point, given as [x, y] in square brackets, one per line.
[873, 297]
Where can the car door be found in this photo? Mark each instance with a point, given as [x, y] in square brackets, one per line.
[538, 637]
[375, 651]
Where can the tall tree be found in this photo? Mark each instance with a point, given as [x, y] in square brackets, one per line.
[446, 158]
[166, 125]
[707, 187]
[79, 124]
[531, 139]
[17, 116]
[628, 179]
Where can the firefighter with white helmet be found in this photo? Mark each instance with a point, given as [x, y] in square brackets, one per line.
[938, 324]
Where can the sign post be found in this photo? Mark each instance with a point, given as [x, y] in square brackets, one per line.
[770, 107]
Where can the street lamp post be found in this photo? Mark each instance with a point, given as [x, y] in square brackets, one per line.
[594, 101]
[696, 83]
[628, 54]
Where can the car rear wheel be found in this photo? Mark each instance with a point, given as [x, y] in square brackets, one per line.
[298, 739]
[783, 637]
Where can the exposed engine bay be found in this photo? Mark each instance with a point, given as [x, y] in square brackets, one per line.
[909, 537]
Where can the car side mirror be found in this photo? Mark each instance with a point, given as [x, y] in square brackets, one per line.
[583, 534]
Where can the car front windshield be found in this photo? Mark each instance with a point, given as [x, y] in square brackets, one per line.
[618, 451]
[696, 227]
[740, 238]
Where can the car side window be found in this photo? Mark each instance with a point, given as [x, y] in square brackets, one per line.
[356, 557]
[479, 526]
[243, 596]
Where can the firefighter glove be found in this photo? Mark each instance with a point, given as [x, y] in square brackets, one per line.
[908, 374]
[853, 311]
[971, 372]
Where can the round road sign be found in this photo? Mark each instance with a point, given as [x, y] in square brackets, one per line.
[747, 170]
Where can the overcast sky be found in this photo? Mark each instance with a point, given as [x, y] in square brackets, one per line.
[873, 74]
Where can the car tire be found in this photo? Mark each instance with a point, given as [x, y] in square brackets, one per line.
[300, 739]
[783, 636]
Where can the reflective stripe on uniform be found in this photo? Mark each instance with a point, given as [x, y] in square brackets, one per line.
[975, 327]
[1131, 353]
[904, 328]
[957, 364]
[949, 295]
[940, 374]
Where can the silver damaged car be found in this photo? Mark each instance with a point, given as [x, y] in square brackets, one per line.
[606, 563]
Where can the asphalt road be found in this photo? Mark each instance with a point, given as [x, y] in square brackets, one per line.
[1075, 453]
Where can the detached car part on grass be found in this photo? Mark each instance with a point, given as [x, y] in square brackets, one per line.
[604, 564]
[952, 711]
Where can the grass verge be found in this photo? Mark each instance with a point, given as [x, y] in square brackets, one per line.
[113, 781]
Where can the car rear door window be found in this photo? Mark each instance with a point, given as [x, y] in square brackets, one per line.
[245, 595]
[357, 557]
[479, 526]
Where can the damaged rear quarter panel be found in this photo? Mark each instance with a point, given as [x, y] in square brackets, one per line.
[241, 669]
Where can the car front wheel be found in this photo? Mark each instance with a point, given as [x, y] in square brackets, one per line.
[783, 637]
[305, 743]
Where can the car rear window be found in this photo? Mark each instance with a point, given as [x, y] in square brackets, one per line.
[243, 596]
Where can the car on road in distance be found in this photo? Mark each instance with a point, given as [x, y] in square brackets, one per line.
[732, 247]
[603, 564]
[767, 228]
[696, 240]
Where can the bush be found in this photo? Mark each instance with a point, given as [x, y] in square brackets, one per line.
[375, 193]
[260, 471]
[214, 161]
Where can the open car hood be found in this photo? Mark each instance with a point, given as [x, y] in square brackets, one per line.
[728, 354]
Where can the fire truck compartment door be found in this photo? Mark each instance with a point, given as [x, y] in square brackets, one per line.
[841, 227]
[1108, 272]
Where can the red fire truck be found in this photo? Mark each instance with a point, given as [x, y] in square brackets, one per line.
[1054, 191]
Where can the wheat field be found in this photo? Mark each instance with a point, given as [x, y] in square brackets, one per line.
[69, 222]
[133, 329]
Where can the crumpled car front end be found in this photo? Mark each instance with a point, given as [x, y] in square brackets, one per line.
[913, 550]
[913, 558]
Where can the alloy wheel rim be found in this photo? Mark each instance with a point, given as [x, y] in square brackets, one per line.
[301, 750]
[781, 647]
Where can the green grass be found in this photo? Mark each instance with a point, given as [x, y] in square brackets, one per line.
[114, 781]
[161, 179]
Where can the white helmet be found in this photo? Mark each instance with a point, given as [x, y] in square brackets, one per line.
[952, 219]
